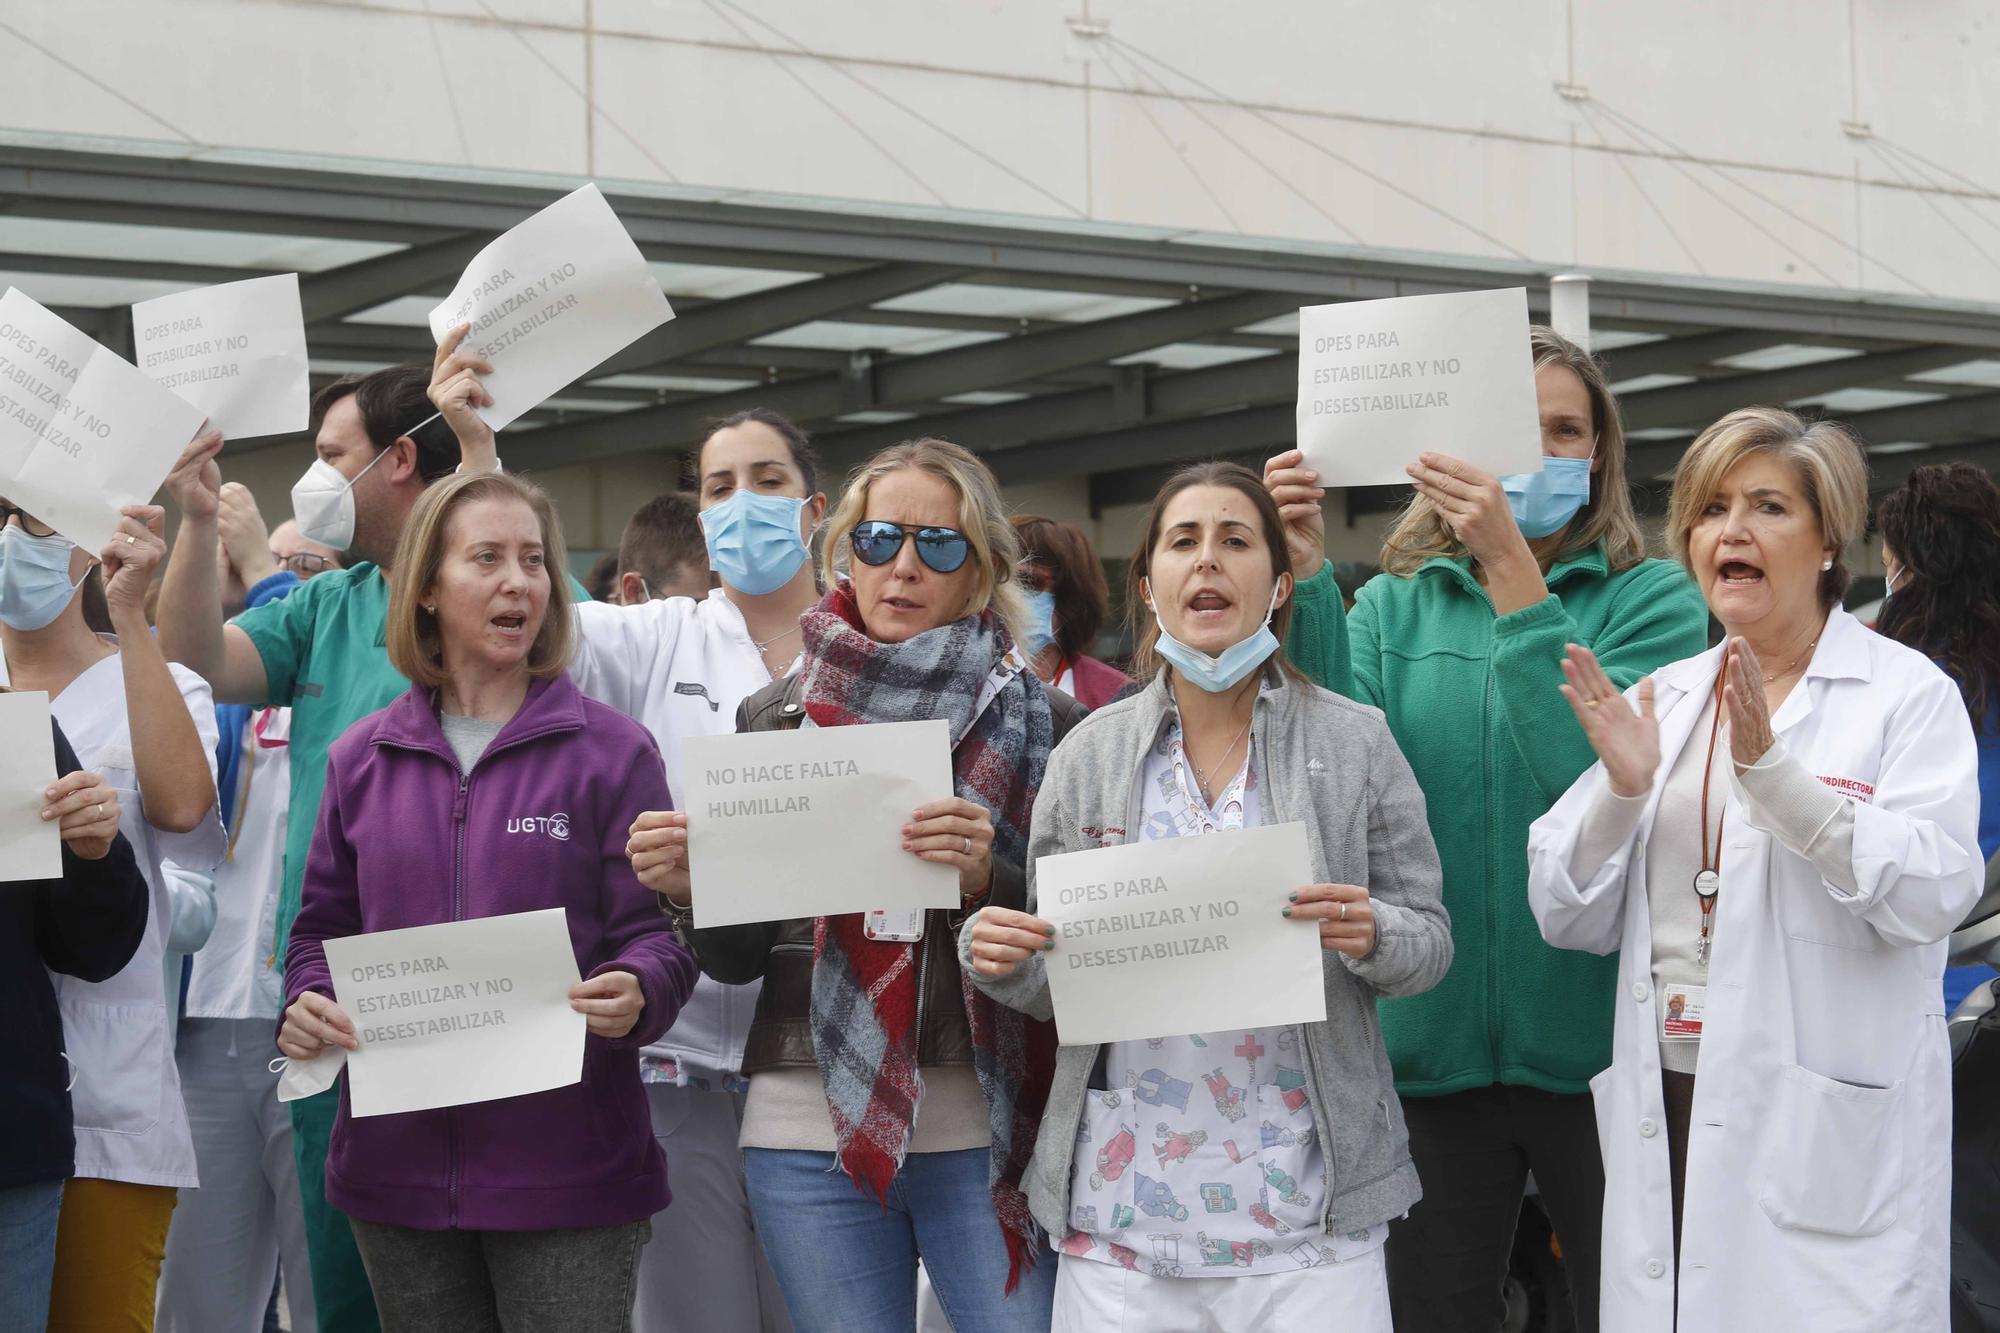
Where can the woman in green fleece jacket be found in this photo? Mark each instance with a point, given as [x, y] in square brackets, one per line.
[1460, 642]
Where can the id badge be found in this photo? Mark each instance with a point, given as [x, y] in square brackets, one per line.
[1680, 1012]
[903, 924]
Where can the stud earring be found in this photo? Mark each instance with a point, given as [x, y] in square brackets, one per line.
[1825, 565]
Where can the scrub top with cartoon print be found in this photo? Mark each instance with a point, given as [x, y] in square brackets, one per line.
[1200, 1158]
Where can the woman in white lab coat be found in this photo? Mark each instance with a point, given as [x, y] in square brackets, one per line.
[150, 730]
[1778, 837]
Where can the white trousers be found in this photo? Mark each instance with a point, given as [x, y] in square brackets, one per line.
[228, 1236]
[1347, 1297]
[704, 1270]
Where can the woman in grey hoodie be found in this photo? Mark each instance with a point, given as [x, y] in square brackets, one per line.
[1206, 1180]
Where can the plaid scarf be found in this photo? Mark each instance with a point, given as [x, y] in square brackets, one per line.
[864, 992]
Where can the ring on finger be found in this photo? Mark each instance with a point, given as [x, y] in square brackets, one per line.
[968, 845]
[1343, 912]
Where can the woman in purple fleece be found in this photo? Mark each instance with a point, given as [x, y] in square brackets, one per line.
[494, 787]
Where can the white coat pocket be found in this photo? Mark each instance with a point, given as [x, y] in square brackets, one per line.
[120, 1078]
[1833, 1160]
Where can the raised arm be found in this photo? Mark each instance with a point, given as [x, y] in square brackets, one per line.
[458, 394]
[190, 611]
[172, 763]
[1317, 641]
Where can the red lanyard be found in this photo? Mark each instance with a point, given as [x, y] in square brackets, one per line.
[1708, 881]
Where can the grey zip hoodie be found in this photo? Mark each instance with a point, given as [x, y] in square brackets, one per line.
[1331, 764]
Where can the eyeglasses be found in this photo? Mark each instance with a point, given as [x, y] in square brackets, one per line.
[34, 527]
[876, 542]
[303, 563]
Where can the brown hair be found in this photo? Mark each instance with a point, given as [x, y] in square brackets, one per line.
[414, 643]
[1146, 661]
[804, 456]
[1422, 534]
[1076, 577]
[996, 551]
[663, 538]
[394, 403]
[1828, 462]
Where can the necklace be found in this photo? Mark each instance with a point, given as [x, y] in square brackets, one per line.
[1708, 880]
[1793, 665]
[1201, 774]
[765, 645]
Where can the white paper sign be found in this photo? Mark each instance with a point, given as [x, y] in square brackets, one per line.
[236, 351]
[1383, 381]
[83, 432]
[785, 824]
[30, 847]
[464, 1011]
[1180, 935]
[552, 299]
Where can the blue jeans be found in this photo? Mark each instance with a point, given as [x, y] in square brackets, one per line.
[847, 1262]
[28, 1216]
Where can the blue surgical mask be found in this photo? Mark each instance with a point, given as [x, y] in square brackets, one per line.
[34, 578]
[1216, 674]
[1544, 501]
[753, 541]
[1040, 631]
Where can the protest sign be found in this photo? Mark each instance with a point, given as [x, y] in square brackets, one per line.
[1180, 935]
[83, 432]
[785, 824]
[550, 300]
[237, 351]
[463, 1011]
[1383, 381]
[30, 846]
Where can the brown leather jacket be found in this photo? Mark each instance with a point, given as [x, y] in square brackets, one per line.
[781, 952]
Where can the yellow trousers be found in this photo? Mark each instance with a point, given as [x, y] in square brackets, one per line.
[109, 1245]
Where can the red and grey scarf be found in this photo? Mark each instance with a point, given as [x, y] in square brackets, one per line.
[864, 992]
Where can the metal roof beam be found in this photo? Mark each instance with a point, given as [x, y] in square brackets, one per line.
[896, 381]
[1703, 401]
[335, 293]
[1946, 421]
[738, 319]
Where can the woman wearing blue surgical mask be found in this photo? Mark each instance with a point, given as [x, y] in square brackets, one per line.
[681, 666]
[1067, 602]
[149, 729]
[1460, 642]
[1217, 1179]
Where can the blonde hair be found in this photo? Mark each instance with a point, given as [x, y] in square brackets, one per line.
[1830, 467]
[996, 550]
[414, 642]
[1422, 534]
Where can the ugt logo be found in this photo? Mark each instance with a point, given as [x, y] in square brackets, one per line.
[556, 826]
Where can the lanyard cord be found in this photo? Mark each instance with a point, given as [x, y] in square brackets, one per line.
[1711, 867]
[1708, 881]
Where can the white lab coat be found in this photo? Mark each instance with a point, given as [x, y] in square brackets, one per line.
[680, 666]
[130, 1122]
[235, 975]
[1818, 1177]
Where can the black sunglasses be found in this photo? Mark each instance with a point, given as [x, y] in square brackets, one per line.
[34, 527]
[876, 542]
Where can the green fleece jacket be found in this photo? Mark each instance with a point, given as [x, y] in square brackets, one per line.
[1472, 699]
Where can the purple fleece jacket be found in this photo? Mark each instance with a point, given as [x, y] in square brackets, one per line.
[405, 840]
